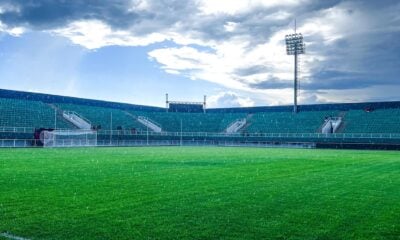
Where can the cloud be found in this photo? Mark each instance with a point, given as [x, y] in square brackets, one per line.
[229, 99]
[13, 31]
[238, 44]
[330, 80]
[232, 7]
[96, 34]
[377, 93]
[197, 64]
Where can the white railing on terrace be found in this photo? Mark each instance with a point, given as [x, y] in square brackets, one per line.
[236, 125]
[150, 123]
[331, 125]
[77, 120]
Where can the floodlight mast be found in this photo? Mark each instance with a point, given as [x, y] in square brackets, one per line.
[295, 46]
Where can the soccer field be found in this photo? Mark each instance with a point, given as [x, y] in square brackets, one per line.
[199, 193]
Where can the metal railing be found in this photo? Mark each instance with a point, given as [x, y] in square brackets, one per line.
[17, 129]
[266, 135]
[134, 138]
[32, 143]
[221, 134]
[23, 143]
[288, 143]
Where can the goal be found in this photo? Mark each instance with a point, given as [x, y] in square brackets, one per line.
[69, 138]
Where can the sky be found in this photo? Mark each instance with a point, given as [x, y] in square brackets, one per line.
[233, 51]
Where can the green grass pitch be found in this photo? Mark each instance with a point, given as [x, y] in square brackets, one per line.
[199, 193]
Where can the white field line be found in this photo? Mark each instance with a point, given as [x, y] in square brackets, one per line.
[12, 237]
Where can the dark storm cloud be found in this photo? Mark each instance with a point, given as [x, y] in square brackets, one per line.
[257, 24]
[57, 13]
[48, 14]
[120, 14]
[329, 80]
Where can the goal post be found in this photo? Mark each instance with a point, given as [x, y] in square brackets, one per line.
[69, 138]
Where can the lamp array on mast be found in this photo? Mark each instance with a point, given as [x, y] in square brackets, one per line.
[294, 44]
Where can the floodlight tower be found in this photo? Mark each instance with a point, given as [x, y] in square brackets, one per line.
[295, 46]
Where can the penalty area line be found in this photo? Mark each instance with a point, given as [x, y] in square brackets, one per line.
[11, 236]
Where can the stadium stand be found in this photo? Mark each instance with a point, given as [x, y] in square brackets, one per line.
[362, 123]
[29, 114]
[287, 122]
[191, 122]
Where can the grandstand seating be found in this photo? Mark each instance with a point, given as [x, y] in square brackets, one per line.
[28, 114]
[377, 121]
[191, 122]
[287, 122]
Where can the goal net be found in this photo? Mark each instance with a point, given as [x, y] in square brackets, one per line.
[68, 138]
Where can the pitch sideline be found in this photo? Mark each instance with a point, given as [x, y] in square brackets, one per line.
[11, 236]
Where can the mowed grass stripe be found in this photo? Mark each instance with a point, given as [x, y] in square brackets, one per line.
[175, 193]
